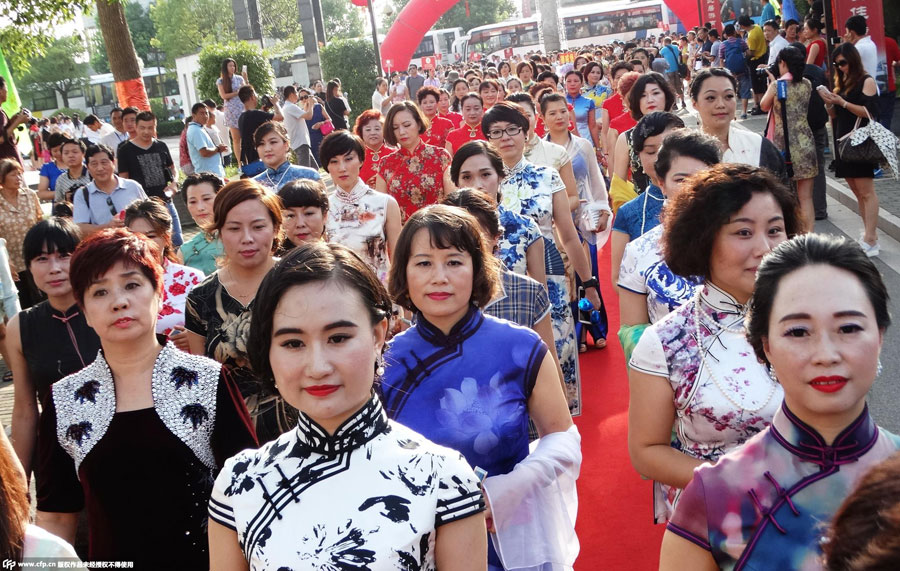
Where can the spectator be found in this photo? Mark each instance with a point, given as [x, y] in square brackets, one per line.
[20, 209]
[75, 176]
[768, 11]
[147, 161]
[792, 31]
[776, 42]
[224, 130]
[129, 123]
[8, 126]
[414, 82]
[336, 105]
[855, 32]
[673, 58]
[734, 50]
[95, 129]
[398, 89]
[381, 101]
[438, 127]
[888, 97]
[184, 155]
[815, 44]
[199, 191]
[105, 198]
[295, 117]
[216, 134]
[756, 41]
[229, 85]
[118, 135]
[204, 154]
[51, 169]
[248, 122]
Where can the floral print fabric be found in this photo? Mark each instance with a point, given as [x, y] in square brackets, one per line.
[16, 218]
[803, 146]
[645, 272]
[370, 496]
[178, 281]
[356, 220]
[528, 191]
[722, 398]
[519, 233]
[765, 505]
[415, 178]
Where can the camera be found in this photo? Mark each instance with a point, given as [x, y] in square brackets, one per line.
[266, 101]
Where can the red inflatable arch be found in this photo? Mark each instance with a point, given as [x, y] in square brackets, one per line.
[408, 30]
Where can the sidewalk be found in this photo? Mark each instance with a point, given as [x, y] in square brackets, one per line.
[887, 188]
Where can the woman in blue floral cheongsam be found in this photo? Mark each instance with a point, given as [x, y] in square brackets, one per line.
[467, 380]
[539, 193]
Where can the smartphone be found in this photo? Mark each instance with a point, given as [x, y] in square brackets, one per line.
[244, 68]
[822, 89]
[584, 315]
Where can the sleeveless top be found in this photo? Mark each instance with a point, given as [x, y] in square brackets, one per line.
[356, 219]
[55, 344]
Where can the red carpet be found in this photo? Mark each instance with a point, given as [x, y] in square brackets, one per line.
[615, 525]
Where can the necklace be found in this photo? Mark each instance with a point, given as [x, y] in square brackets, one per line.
[472, 131]
[236, 295]
[712, 374]
[376, 153]
[273, 184]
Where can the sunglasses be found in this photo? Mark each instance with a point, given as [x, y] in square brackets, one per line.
[842, 63]
[304, 97]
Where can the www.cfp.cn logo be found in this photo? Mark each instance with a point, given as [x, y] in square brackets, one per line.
[8, 563]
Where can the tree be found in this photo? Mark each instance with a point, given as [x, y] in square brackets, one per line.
[353, 61]
[183, 27]
[57, 69]
[343, 20]
[123, 61]
[481, 12]
[23, 34]
[259, 70]
[142, 32]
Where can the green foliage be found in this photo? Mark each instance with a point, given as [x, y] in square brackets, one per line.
[169, 128]
[353, 61]
[481, 12]
[97, 49]
[24, 32]
[57, 69]
[259, 70]
[343, 20]
[159, 109]
[185, 26]
[142, 31]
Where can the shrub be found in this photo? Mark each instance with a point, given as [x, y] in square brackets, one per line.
[353, 61]
[159, 109]
[69, 111]
[169, 128]
[259, 70]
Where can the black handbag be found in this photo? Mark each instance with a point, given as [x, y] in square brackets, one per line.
[865, 152]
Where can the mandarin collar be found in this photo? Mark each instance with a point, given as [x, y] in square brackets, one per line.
[462, 330]
[519, 166]
[654, 191]
[721, 305]
[69, 313]
[415, 150]
[362, 426]
[805, 441]
[281, 168]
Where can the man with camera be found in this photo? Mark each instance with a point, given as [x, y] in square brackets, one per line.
[297, 109]
[248, 122]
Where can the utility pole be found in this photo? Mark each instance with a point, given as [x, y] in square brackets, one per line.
[550, 25]
[310, 39]
[375, 38]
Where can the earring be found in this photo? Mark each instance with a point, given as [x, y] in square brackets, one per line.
[772, 374]
[379, 367]
[879, 369]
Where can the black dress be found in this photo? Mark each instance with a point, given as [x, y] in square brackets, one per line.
[147, 474]
[844, 122]
[55, 344]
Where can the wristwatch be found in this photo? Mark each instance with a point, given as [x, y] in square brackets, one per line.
[590, 283]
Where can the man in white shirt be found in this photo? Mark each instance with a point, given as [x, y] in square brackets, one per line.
[295, 117]
[215, 132]
[118, 134]
[776, 42]
[855, 31]
[95, 129]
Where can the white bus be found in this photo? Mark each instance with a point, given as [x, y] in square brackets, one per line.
[437, 43]
[587, 24]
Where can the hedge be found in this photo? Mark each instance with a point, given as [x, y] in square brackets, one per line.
[169, 128]
[353, 61]
[259, 70]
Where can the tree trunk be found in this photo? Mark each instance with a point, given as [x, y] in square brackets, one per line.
[549, 24]
[65, 98]
[123, 60]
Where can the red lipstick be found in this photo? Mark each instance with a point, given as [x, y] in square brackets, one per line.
[828, 384]
[321, 390]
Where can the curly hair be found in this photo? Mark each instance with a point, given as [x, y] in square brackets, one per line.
[707, 201]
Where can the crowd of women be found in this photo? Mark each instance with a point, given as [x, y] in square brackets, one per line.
[384, 373]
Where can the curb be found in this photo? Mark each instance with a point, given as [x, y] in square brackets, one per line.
[887, 222]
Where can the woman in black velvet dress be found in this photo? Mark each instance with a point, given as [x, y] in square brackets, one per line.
[148, 426]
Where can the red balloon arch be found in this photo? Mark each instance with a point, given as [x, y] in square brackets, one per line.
[419, 16]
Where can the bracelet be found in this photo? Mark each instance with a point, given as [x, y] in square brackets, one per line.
[845, 104]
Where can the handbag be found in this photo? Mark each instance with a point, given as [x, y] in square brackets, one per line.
[327, 127]
[860, 145]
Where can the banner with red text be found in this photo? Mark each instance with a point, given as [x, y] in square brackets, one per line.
[873, 12]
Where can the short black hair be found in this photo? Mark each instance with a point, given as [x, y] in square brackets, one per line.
[209, 103]
[521, 98]
[97, 149]
[55, 234]
[199, 178]
[276, 127]
[686, 143]
[304, 192]
[810, 250]
[197, 107]
[857, 24]
[479, 205]
[706, 73]
[547, 75]
[637, 92]
[651, 125]
[772, 24]
[145, 116]
[745, 20]
[505, 111]
[66, 140]
[338, 144]
[246, 92]
[619, 66]
[90, 119]
[130, 110]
